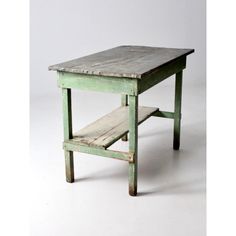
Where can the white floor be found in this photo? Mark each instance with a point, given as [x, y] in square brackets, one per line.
[171, 184]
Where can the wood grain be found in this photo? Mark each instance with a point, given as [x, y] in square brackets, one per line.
[111, 127]
[123, 61]
[133, 143]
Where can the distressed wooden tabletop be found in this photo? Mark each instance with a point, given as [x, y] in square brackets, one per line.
[123, 61]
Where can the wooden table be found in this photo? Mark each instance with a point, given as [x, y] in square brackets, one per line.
[129, 71]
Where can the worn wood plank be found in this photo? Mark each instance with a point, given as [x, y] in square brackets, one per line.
[133, 144]
[123, 61]
[177, 116]
[111, 127]
[162, 73]
[164, 114]
[98, 83]
[67, 122]
[124, 102]
[74, 146]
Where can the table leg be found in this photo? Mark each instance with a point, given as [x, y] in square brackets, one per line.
[133, 143]
[67, 121]
[177, 115]
[124, 102]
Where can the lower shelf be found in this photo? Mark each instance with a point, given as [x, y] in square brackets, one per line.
[111, 127]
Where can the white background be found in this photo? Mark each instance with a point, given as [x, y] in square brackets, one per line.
[171, 184]
[221, 174]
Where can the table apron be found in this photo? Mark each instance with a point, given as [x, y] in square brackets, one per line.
[120, 85]
[161, 74]
[98, 83]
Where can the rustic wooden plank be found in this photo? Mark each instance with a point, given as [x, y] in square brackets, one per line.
[67, 113]
[124, 102]
[164, 114]
[133, 144]
[67, 122]
[111, 127]
[123, 61]
[74, 146]
[98, 83]
[177, 116]
[69, 166]
[162, 73]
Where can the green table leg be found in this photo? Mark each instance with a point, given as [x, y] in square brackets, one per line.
[133, 143]
[177, 115]
[67, 121]
[124, 102]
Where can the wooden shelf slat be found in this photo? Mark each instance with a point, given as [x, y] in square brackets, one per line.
[109, 128]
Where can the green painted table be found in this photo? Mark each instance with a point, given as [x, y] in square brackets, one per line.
[129, 71]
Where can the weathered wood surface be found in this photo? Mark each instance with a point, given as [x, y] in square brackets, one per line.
[98, 83]
[67, 121]
[123, 61]
[111, 127]
[177, 113]
[133, 143]
[164, 114]
[161, 74]
[124, 102]
[75, 147]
